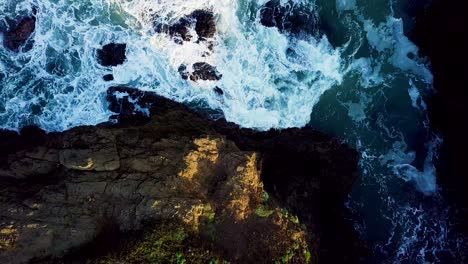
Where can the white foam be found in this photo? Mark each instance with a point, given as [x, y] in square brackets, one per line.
[370, 75]
[400, 160]
[388, 37]
[416, 99]
[264, 86]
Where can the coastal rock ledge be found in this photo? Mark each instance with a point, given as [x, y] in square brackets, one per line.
[197, 190]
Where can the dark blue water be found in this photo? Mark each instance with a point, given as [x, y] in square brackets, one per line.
[361, 81]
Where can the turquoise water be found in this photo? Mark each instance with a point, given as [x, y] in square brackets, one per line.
[362, 81]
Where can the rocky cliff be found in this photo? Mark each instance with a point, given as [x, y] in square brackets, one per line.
[164, 163]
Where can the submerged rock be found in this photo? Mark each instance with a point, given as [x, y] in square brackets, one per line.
[203, 176]
[112, 54]
[288, 18]
[204, 71]
[108, 77]
[218, 90]
[19, 35]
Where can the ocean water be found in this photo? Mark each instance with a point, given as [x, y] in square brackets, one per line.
[359, 79]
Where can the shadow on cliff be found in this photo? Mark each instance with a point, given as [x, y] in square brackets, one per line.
[440, 28]
[307, 172]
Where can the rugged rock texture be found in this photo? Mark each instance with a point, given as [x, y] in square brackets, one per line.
[19, 35]
[440, 32]
[205, 24]
[201, 21]
[200, 71]
[288, 18]
[112, 54]
[61, 190]
[204, 71]
[306, 171]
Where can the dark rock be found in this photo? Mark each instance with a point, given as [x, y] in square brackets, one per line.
[133, 108]
[288, 18]
[440, 32]
[308, 172]
[218, 90]
[108, 77]
[201, 20]
[204, 71]
[61, 192]
[205, 25]
[112, 54]
[183, 72]
[179, 31]
[20, 34]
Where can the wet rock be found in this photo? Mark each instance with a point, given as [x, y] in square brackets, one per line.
[205, 25]
[183, 72]
[112, 54]
[204, 71]
[288, 18]
[132, 107]
[108, 77]
[218, 90]
[19, 35]
[180, 32]
[202, 21]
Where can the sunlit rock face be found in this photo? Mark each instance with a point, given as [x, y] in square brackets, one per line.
[177, 166]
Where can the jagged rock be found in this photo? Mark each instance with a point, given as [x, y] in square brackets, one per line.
[178, 167]
[204, 71]
[288, 18]
[180, 32]
[18, 36]
[112, 54]
[205, 25]
[202, 21]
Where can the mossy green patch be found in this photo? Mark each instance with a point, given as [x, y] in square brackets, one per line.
[264, 211]
[166, 243]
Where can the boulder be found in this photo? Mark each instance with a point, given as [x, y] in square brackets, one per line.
[288, 18]
[180, 32]
[108, 77]
[19, 35]
[205, 24]
[204, 71]
[112, 54]
[202, 21]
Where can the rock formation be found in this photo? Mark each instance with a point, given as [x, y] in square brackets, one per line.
[288, 18]
[201, 21]
[59, 191]
[19, 35]
[112, 54]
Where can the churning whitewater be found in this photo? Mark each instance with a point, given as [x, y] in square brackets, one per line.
[358, 77]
